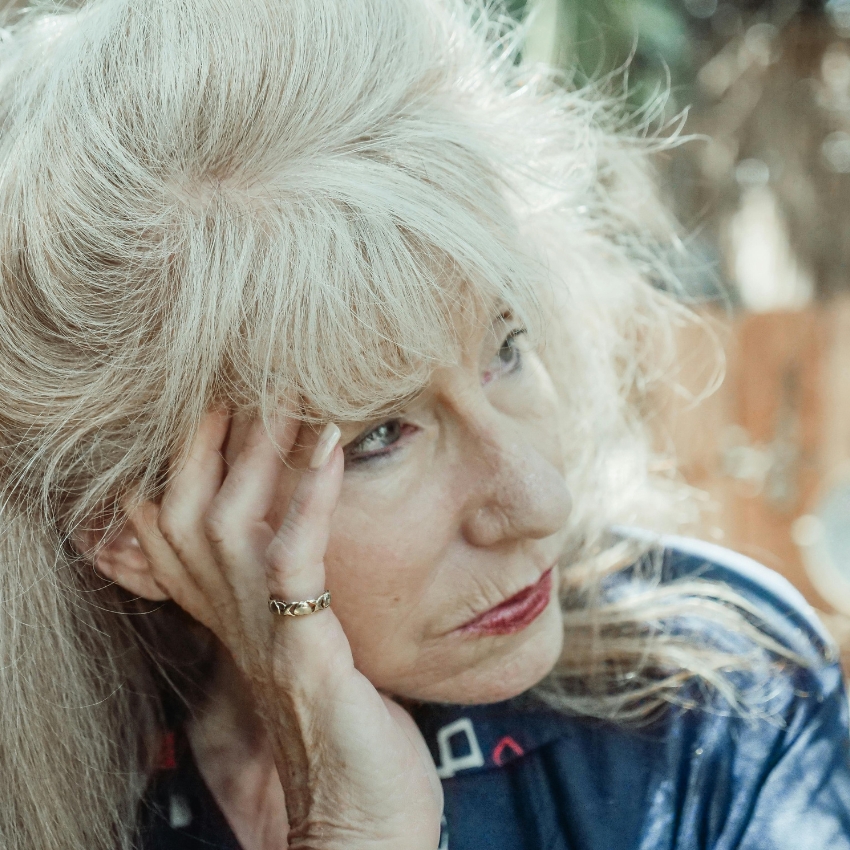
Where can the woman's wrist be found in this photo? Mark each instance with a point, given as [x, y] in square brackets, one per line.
[324, 837]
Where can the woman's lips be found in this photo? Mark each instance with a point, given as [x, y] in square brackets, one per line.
[516, 613]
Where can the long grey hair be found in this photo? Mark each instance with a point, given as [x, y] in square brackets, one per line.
[206, 202]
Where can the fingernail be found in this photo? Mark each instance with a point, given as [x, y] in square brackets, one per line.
[324, 448]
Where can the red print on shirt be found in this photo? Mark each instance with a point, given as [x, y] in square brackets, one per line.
[507, 743]
[167, 759]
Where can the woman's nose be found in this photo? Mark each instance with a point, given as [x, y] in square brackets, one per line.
[520, 495]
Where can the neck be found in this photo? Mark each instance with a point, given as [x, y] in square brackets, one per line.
[234, 757]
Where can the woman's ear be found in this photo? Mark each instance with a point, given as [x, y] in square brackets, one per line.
[119, 558]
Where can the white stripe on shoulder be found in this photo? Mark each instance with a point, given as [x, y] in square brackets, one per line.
[746, 567]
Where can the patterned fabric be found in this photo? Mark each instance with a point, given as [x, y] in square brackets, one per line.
[520, 777]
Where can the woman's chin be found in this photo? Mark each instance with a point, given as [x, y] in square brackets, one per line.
[520, 668]
[501, 666]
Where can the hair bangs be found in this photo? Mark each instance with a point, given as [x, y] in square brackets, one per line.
[360, 279]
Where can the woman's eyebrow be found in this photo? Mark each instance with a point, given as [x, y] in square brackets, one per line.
[501, 317]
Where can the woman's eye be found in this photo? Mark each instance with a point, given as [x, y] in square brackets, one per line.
[376, 442]
[508, 358]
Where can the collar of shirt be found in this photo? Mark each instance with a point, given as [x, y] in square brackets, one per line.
[477, 738]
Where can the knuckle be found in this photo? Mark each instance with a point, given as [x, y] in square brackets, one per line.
[218, 526]
[292, 527]
[278, 554]
[172, 528]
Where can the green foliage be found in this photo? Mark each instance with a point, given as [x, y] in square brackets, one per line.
[595, 37]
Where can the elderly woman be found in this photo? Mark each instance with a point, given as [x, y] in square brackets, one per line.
[325, 328]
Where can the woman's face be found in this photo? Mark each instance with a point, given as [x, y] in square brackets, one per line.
[448, 510]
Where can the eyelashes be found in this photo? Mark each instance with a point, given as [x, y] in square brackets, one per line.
[509, 354]
[508, 359]
[378, 442]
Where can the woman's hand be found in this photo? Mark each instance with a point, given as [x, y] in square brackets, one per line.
[355, 771]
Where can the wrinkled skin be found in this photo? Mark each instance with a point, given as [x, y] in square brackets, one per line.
[419, 525]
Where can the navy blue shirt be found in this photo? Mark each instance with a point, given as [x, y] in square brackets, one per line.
[518, 776]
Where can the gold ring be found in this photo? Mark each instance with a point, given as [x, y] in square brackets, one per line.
[300, 609]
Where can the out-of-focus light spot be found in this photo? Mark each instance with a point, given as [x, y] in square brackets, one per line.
[835, 68]
[760, 42]
[767, 271]
[839, 14]
[752, 172]
[824, 540]
[701, 8]
[718, 74]
[836, 152]
[806, 530]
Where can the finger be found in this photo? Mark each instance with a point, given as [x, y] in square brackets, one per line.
[203, 470]
[295, 558]
[312, 651]
[240, 424]
[187, 500]
[169, 572]
[251, 484]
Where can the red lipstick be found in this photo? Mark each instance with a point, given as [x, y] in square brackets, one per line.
[516, 613]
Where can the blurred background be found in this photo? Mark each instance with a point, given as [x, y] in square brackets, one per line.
[764, 196]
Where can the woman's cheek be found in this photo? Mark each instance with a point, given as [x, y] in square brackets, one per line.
[531, 400]
[386, 562]
[548, 421]
[369, 572]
